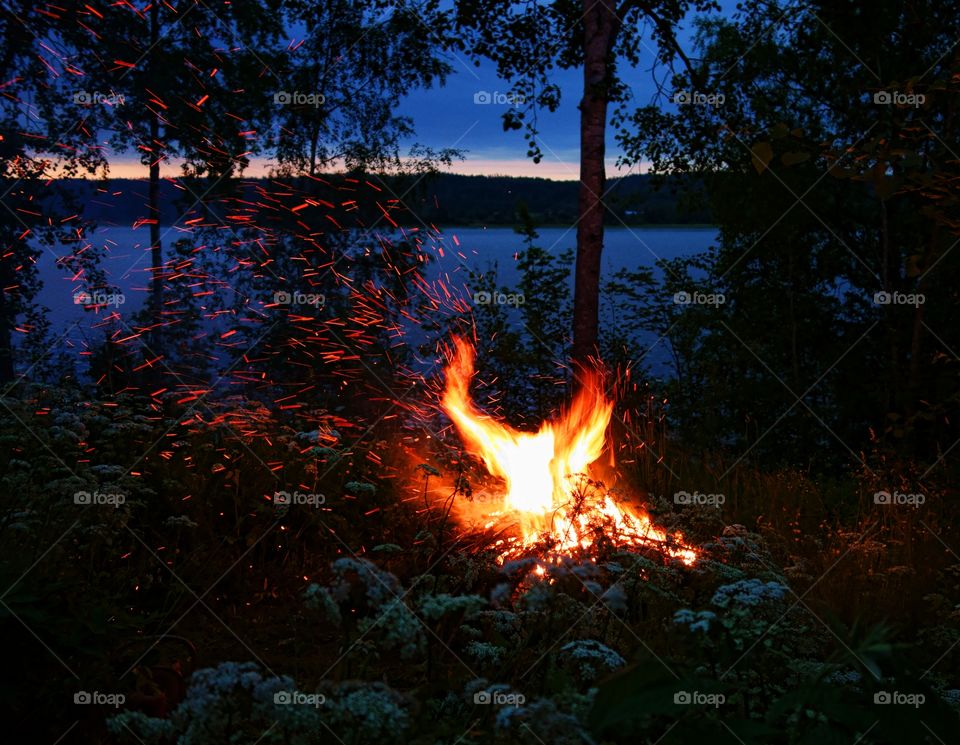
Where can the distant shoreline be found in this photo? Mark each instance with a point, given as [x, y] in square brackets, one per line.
[636, 201]
[490, 225]
[629, 226]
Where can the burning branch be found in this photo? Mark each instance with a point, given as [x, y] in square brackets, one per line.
[549, 492]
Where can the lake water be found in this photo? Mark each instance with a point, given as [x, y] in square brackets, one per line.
[126, 262]
[623, 247]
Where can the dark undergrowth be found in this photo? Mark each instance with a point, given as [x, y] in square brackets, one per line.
[176, 595]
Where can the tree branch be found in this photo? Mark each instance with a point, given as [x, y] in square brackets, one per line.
[666, 31]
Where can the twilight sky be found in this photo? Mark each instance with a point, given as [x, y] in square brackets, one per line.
[449, 117]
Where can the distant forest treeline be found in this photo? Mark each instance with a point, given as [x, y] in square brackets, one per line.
[441, 200]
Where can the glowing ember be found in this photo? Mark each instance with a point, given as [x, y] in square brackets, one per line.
[547, 490]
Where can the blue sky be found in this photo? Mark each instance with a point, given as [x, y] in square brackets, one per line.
[447, 117]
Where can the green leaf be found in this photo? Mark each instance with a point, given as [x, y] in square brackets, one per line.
[779, 131]
[886, 186]
[790, 159]
[914, 266]
[762, 153]
[387, 548]
[428, 469]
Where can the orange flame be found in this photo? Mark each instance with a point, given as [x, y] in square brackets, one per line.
[538, 467]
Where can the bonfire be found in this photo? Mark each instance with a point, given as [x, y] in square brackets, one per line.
[550, 502]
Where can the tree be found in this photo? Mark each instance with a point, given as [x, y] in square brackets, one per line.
[42, 136]
[518, 331]
[329, 236]
[341, 84]
[528, 42]
[214, 86]
[175, 81]
[831, 170]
